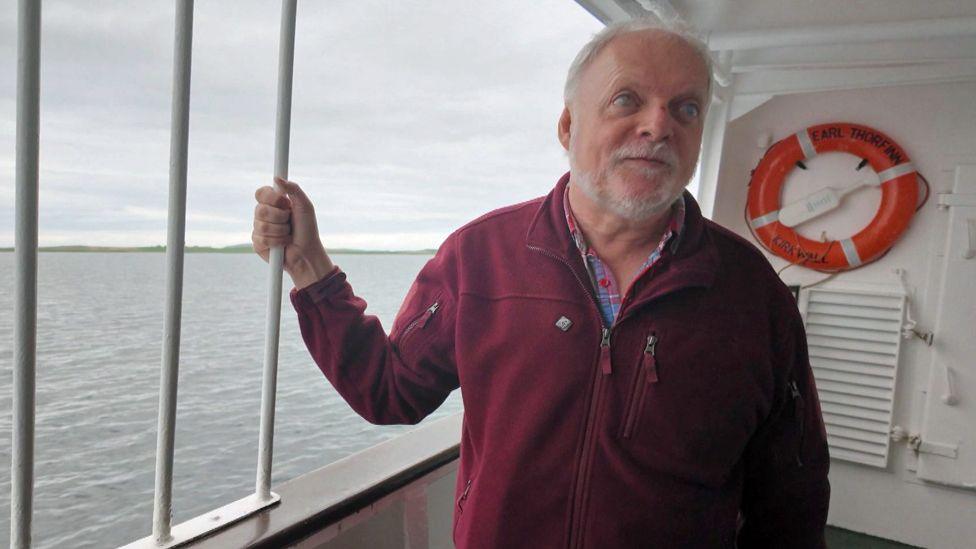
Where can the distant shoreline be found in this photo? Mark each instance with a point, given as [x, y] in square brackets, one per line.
[209, 250]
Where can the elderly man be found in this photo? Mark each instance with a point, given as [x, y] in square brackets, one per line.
[633, 375]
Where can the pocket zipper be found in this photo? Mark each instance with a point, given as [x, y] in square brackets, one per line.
[646, 374]
[798, 415]
[460, 509]
[464, 496]
[423, 320]
[649, 362]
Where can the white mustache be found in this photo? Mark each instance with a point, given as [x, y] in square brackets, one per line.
[660, 152]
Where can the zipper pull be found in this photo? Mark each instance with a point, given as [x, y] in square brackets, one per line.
[649, 363]
[464, 495]
[428, 313]
[605, 365]
[800, 418]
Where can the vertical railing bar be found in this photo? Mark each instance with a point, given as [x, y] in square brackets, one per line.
[176, 229]
[25, 271]
[286, 59]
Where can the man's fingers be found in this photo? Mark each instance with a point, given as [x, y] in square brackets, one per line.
[261, 243]
[271, 214]
[260, 248]
[271, 197]
[264, 228]
[295, 193]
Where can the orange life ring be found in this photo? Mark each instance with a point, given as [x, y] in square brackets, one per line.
[899, 196]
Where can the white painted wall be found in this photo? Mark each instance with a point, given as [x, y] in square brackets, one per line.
[936, 125]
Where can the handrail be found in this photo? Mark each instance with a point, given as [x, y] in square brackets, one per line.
[176, 231]
[286, 61]
[25, 271]
[164, 535]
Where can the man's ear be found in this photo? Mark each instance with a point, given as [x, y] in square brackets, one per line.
[563, 128]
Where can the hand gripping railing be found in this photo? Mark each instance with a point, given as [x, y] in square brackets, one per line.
[25, 286]
[286, 62]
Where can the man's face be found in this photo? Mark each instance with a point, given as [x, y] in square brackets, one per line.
[633, 128]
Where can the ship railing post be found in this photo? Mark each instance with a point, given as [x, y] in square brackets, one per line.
[286, 61]
[176, 230]
[164, 533]
[25, 271]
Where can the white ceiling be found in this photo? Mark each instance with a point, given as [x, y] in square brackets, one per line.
[795, 46]
[745, 15]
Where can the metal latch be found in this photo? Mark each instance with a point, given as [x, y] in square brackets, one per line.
[916, 443]
[914, 440]
[946, 200]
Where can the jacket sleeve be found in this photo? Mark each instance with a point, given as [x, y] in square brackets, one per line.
[386, 380]
[786, 492]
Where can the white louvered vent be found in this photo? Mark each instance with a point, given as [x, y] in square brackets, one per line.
[854, 338]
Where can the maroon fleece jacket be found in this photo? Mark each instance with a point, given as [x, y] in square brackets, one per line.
[692, 422]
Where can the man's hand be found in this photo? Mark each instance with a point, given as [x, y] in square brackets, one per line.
[288, 219]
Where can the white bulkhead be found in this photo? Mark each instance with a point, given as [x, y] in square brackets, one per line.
[922, 488]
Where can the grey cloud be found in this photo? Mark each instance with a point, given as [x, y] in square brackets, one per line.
[408, 117]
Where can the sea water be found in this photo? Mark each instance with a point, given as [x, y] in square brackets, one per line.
[99, 334]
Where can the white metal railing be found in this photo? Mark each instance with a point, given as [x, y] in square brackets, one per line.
[25, 267]
[176, 229]
[286, 62]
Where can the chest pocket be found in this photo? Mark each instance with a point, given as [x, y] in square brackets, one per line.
[697, 395]
[645, 375]
[412, 338]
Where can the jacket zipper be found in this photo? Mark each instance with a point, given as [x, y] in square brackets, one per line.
[464, 496]
[605, 362]
[582, 473]
[798, 415]
[589, 440]
[646, 374]
[460, 508]
[422, 321]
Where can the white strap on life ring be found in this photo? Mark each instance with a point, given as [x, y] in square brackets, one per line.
[806, 145]
[850, 252]
[764, 220]
[896, 171]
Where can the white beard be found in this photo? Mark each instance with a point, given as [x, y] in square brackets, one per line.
[634, 207]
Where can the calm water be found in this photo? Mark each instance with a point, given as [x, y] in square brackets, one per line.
[99, 339]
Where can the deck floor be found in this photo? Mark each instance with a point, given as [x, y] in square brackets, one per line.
[838, 538]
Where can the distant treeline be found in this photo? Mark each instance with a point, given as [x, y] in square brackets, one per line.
[238, 249]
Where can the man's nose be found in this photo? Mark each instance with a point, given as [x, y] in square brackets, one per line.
[655, 123]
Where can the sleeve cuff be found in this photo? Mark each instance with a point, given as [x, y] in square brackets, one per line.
[322, 289]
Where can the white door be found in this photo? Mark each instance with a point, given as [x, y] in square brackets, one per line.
[948, 431]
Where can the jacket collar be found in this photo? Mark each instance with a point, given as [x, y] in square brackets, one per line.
[691, 263]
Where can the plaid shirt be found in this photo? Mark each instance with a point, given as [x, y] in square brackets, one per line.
[606, 288]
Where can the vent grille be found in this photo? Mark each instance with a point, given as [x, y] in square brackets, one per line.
[854, 339]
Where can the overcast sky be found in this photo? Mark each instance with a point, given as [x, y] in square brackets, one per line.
[409, 117]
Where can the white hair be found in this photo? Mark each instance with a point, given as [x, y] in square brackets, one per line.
[608, 33]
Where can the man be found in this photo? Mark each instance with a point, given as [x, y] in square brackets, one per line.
[633, 375]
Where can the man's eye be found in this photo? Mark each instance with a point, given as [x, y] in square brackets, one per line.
[624, 100]
[689, 111]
